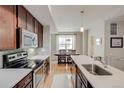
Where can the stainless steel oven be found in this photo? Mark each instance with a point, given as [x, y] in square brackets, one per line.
[81, 81]
[19, 60]
[39, 76]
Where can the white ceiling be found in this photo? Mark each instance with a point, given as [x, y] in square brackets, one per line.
[67, 18]
[41, 13]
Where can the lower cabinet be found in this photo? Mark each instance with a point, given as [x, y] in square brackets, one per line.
[26, 82]
[41, 73]
[81, 80]
[73, 73]
[79, 83]
[47, 66]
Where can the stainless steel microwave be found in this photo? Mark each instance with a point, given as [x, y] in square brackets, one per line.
[26, 39]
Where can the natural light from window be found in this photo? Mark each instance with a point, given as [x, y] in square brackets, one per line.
[66, 42]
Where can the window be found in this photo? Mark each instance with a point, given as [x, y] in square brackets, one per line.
[113, 29]
[66, 42]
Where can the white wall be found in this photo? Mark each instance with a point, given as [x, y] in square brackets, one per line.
[97, 31]
[53, 46]
[79, 42]
[115, 55]
[46, 38]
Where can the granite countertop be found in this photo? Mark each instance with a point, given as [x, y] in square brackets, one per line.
[10, 77]
[115, 80]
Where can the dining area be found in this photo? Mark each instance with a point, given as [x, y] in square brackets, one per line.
[63, 56]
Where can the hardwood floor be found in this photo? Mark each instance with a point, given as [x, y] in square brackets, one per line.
[59, 77]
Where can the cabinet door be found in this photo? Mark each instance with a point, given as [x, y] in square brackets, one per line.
[30, 22]
[26, 82]
[73, 74]
[7, 27]
[36, 26]
[21, 17]
[79, 84]
[40, 35]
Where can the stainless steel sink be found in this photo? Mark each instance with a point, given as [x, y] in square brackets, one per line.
[96, 70]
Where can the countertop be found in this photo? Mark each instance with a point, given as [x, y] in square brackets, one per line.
[57, 54]
[116, 80]
[39, 57]
[10, 77]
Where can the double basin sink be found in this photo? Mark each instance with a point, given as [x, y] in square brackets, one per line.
[96, 70]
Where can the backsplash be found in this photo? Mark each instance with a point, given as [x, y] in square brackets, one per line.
[37, 51]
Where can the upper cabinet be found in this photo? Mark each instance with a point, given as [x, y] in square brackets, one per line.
[7, 27]
[39, 32]
[40, 35]
[13, 17]
[21, 17]
[36, 27]
[30, 22]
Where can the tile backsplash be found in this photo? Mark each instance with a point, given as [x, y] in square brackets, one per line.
[37, 51]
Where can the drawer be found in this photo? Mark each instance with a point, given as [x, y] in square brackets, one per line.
[25, 81]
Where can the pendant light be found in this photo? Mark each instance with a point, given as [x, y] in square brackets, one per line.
[82, 28]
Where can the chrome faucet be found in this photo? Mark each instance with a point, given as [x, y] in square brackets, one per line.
[105, 62]
[98, 58]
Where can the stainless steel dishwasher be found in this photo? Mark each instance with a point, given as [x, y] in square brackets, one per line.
[81, 80]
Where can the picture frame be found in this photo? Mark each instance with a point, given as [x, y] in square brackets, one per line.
[116, 42]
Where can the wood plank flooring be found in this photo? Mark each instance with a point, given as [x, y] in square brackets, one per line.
[59, 77]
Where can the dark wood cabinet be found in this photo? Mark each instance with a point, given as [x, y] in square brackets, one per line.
[21, 17]
[7, 27]
[26, 82]
[36, 27]
[40, 35]
[30, 22]
[47, 66]
[13, 17]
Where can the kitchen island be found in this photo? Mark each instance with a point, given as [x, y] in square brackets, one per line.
[116, 80]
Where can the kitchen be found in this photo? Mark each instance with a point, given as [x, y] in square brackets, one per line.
[34, 55]
[21, 33]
